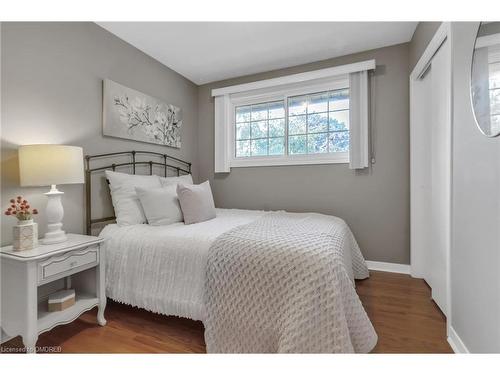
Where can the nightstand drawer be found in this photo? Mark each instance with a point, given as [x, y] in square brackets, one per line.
[67, 263]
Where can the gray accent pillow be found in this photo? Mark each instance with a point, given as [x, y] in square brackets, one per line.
[160, 205]
[197, 202]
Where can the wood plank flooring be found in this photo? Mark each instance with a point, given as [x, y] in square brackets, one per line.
[400, 308]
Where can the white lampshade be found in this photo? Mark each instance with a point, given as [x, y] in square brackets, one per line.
[43, 165]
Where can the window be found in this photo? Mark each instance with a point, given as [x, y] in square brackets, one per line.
[316, 117]
[316, 123]
[494, 91]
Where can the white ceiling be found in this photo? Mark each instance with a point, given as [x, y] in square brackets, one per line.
[206, 52]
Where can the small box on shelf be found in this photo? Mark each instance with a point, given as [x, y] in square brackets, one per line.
[61, 300]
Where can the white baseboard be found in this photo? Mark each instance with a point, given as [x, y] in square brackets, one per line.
[456, 342]
[388, 267]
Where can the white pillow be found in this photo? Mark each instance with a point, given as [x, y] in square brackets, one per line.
[185, 179]
[160, 205]
[128, 209]
[197, 202]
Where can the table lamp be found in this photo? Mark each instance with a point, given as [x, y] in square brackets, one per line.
[44, 165]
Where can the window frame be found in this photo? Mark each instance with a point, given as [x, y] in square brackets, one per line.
[278, 94]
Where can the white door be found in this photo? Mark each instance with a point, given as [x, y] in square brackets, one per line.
[431, 174]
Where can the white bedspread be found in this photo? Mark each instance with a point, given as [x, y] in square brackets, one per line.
[162, 268]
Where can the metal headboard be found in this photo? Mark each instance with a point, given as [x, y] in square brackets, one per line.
[162, 160]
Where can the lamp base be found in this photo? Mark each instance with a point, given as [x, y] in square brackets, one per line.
[55, 214]
[54, 237]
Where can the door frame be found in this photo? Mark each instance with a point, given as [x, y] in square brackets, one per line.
[442, 34]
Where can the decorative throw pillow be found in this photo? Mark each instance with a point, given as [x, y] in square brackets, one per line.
[128, 209]
[160, 205]
[185, 179]
[197, 202]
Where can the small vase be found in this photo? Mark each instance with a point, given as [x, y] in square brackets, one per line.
[25, 234]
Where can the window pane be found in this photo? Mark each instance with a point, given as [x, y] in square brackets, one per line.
[259, 147]
[242, 148]
[259, 112]
[495, 123]
[297, 105]
[243, 114]
[495, 101]
[339, 100]
[494, 76]
[317, 143]
[259, 129]
[277, 128]
[243, 131]
[277, 146]
[297, 144]
[339, 142]
[297, 125]
[277, 110]
[318, 103]
[317, 123]
[339, 120]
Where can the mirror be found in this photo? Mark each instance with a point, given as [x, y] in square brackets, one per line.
[485, 79]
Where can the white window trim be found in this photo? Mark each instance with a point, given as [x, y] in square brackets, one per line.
[297, 78]
[281, 88]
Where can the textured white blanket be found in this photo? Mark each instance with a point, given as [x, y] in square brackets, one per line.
[281, 284]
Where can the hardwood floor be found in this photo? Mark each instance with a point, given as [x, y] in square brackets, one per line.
[403, 314]
[400, 308]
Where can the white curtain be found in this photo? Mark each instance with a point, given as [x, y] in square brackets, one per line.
[358, 120]
[222, 116]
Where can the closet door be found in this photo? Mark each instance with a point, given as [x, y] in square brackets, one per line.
[431, 174]
[440, 178]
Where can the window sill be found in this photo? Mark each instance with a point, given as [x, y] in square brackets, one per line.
[340, 158]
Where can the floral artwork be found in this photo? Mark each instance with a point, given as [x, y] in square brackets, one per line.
[130, 114]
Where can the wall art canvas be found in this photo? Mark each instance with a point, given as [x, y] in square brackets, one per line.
[130, 114]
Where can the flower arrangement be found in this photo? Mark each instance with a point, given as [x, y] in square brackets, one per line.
[21, 209]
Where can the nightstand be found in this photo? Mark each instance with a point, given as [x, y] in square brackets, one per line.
[28, 277]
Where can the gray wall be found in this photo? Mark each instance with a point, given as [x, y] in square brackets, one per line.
[52, 93]
[421, 38]
[374, 202]
[475, 254]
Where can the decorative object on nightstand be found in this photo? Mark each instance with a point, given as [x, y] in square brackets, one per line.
[25, 233]
[61, 300]
[44, 165]
[30, 278]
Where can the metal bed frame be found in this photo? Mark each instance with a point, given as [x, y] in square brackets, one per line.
[165, 162]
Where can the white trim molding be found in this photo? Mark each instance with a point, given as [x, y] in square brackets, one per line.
[456, 342]
[487, 41]
[297, 78]
[388, 267]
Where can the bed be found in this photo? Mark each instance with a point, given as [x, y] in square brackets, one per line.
[259, 281]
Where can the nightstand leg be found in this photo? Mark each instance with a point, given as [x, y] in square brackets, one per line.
[101, 289]
[29, 341]
[30, 335]
[100, 314]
